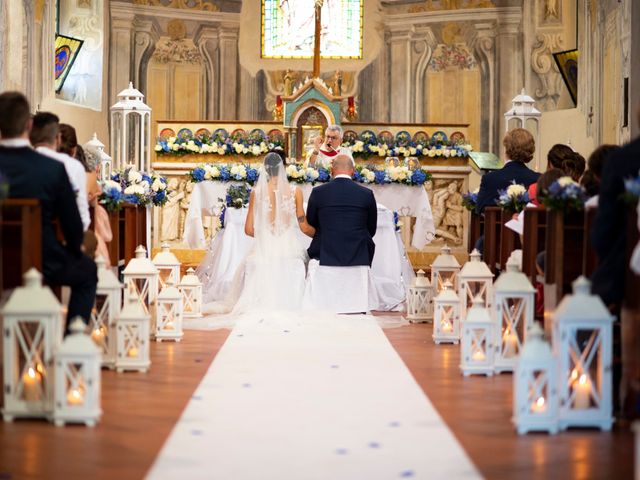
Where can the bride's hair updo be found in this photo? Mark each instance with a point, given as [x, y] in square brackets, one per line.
[272, 161]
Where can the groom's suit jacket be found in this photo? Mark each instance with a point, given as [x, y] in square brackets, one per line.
[345, 217]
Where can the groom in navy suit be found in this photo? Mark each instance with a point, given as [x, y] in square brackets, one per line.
[345, 217]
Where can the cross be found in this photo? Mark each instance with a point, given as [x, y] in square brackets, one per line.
[316, 40]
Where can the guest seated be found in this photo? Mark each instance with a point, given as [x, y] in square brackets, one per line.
[556, 157]
[45, 137]
[591, 178]
[573, 166]
[542, 187]
[32, 175]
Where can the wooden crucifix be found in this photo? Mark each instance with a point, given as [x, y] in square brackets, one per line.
[316, 41]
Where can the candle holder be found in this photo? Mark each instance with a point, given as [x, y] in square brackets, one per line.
[77, 379]
[168, 266]
[191, 290]
[32, 331]
[535, 394]
[106, 309]
[444, 268]
[169, 321]
[141, 279]
[132, 337]
[475, 278]
[446, 316]
[477, 349]
[582, 330]
[513, 307]
[419, 299]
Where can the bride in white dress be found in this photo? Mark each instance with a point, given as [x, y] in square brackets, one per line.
[272, 277]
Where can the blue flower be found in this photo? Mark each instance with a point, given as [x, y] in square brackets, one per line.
[146, 178]
[224, 174]
[197, 174]
[323, 175]
[357, 176]
[418, 177]
[252, 175]
[159, 197]
[133, 199]
[381, 177]
[222, 215]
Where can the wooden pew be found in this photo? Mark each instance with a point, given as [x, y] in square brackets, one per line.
[492, 230]
[129, 228]
[476, 225]
[21, 240]
[533, 233]
[509, 240]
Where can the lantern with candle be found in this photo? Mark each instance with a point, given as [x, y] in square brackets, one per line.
[419, 299]
[444, 267]
[191, 290]
[474, 279]
[77, 379]
[141, 279]
[168, 266]
[169, 321]
[107, 307]
[32, 331]
[446, 315]
[535, 392]
[582, 329]
[132, 336]
[513, 306]
[477, 350]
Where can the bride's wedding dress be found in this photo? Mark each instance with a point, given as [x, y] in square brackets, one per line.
[272, 276]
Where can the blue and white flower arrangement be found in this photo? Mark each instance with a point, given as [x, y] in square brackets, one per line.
[368, 146]
[564, 194]
[237, 197]
[255, 145]
[133, 187]
[632, 189]
[513, 199]
[470, 199]
[224, 173]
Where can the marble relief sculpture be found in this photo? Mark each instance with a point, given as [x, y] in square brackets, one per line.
[171, 212]
[448, 211]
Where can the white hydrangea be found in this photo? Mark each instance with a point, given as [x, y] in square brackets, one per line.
[134, 176]
[158, 185]
[255, 150]
[566, 181]
[311, 173]
[112, 184]
[515, 190]
[158, 148]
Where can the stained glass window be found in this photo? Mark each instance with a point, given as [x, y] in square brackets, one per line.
[288, 28]
[67, 49]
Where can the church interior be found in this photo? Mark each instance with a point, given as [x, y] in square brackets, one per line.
[494, 332]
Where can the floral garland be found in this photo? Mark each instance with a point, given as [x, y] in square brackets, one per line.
[297, 173]
[513, 199]
[564, 194]
[255, 144]
[368, 146]
[133, 187]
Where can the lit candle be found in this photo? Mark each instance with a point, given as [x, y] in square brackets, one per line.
[31, 385]
[539, 405]
[278, 101]
[510, 341]
[582, 388]
[75, 397]
[168, 325]
[447, 327]
[97, 335]
[133, 352]
[479, 356]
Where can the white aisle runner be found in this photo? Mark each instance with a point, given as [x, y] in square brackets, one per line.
[310, 397]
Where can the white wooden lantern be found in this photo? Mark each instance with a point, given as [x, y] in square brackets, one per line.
[191, 289]
[526, 115]
[513, 307]
[582, 338]
[475, 278]
[77, 379]
[132, 337]
[444, 267]
[131, 130]
[105, 160]
[168, 266]
[169, 320]
[103, 316]
[141, 277]
[419, 299]
[446, 316]
[535, 391]
[32, 331]
[476, 341]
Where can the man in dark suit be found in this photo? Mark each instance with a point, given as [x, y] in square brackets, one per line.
[519, 147]
[32, 175]
[345, 217]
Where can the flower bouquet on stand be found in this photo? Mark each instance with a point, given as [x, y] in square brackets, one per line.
[470, 200]
[564, 195]
[237, 197]
[513, 199]
[135, 188]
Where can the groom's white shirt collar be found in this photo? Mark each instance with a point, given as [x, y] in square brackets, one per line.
[15, 143]
[342, 175]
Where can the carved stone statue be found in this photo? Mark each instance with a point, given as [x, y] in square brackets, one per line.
[447, 212]
[288, 83]
[337, 83]
[187, 188]
[171, 212]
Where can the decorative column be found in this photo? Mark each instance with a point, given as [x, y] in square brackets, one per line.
[510, 63]
[228, 72]
[399, 47]
[119, 53]
[208, 45]
[485, 50]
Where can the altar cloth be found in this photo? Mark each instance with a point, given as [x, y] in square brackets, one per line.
[404, 199]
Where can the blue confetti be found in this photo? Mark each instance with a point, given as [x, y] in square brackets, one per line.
[374, 445]
[407, 474]
[196, 432]
[335, 366]
[246, 385]
[197, 397]
[394, 424]
[342, 451]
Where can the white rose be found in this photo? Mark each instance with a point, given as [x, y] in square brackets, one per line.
[256, 150]
[234, 170]
[215, 172]
[112, 184]
[157, 185]
[371, 177]
[129, 190]
[134, 176]
[446, 152]
[175, 147]
[454, 153]
[157, 148]
[565, 181]
[413, 150]
[515, 190]
[432, 152]
[237, 147]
